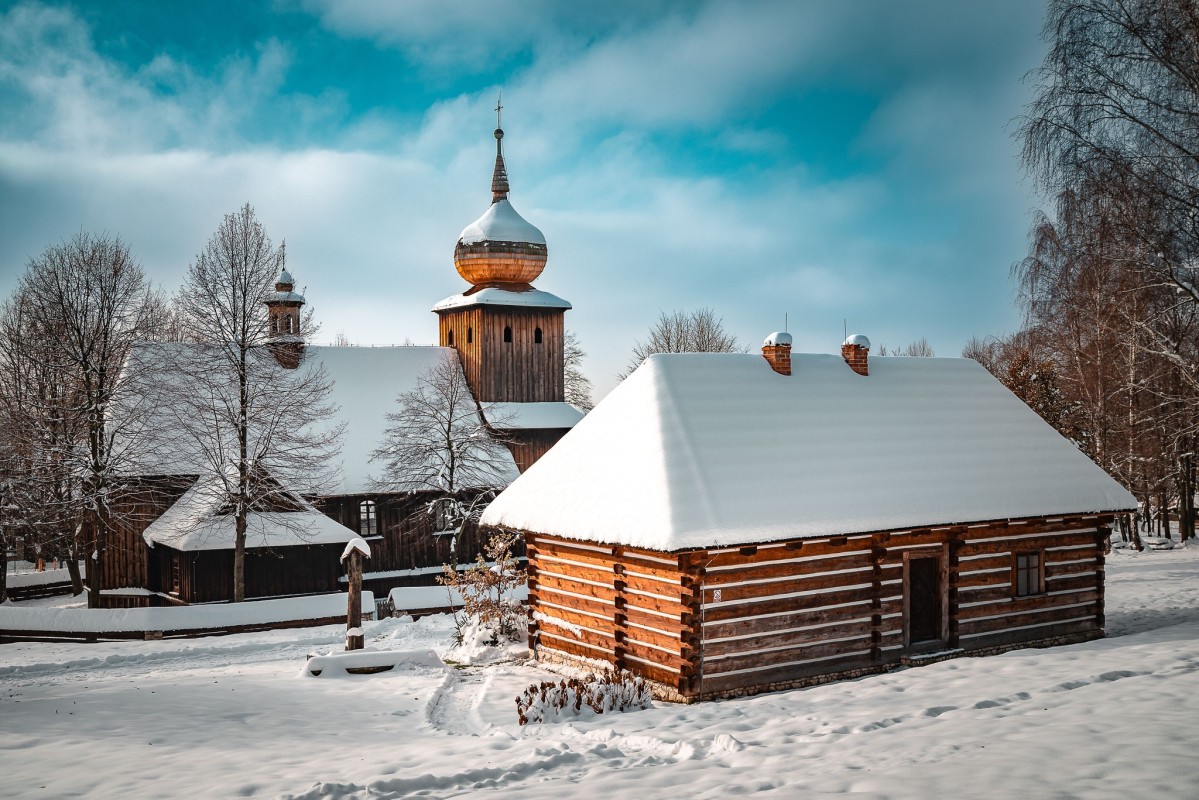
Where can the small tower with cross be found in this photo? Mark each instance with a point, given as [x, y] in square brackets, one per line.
[284, 317]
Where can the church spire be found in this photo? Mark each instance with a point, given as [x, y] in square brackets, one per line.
[499, 178]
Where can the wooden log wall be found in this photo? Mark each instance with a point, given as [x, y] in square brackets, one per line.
[518, 371]
[778, 612]
[757, 617]
[989, 613]
[627, 608]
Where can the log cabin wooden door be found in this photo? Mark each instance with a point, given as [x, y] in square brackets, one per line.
[923, 598]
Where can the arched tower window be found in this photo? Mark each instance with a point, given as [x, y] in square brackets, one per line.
[368, 520]
[450, 338]
[508, 334]
[537, 336]
[470, 335]
[274, 324]
[287, 319]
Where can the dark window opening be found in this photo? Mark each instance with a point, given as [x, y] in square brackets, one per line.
[508, 334]
[1030, 579]
[537, 336]
[470, 335]
[368, 520]
[450, 338]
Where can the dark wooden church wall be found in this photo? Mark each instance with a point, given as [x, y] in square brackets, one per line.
[135, 507]
[520, 371]
[407, 538]
[529, 445]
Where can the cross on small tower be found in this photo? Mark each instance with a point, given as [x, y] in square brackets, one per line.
[499, 107]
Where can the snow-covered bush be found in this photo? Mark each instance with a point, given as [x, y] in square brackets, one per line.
[489, 615]
[610, 691]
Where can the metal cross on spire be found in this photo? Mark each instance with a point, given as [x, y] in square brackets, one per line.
[499, 107]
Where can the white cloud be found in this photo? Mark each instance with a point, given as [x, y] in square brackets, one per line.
[159, 154]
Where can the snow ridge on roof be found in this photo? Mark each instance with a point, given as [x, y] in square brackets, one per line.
[702, 450]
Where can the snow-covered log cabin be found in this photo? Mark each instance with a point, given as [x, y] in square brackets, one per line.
[724, 524]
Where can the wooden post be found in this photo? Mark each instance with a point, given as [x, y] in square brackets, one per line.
[355, 550]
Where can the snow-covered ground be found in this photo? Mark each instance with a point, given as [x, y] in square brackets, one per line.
[234, 716]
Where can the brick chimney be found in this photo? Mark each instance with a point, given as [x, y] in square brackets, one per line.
[777, 351]
[856, 351]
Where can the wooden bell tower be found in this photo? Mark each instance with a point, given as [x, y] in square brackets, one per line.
[509, 335]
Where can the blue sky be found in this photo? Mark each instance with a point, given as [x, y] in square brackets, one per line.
[828, 161]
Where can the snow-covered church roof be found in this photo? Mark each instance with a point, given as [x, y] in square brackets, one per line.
[701, 450]
[365, 382]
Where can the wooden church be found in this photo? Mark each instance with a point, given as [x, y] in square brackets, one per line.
[173, 544]
[723, 524]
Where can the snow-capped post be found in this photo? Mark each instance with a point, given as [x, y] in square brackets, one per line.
[355, 551]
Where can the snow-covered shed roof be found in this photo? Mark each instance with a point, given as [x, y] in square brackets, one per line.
[501, 223]
[494, 296]
[702, 450]
[532, 416]
[365, 382]
[194, 522]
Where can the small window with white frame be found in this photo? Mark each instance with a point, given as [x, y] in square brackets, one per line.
[368, 519]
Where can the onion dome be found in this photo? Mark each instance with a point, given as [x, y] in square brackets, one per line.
[500, 246]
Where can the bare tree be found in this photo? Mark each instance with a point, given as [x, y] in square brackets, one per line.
[578, 386]
[438, 442]
[42, 434]
[1112, 278]
[917, 348]
[89, 303]
[699, 331]
[1118, 97]
[255, 426]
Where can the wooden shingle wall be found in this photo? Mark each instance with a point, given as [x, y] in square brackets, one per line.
[518, 371]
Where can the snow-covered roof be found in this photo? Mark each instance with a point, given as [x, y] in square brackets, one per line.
[193, 523]
[285, 297]
[501, 223]
[701, 450]
[857, 339]
[365, 382]
[285, 277]
[494, 296]
[531, 416]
